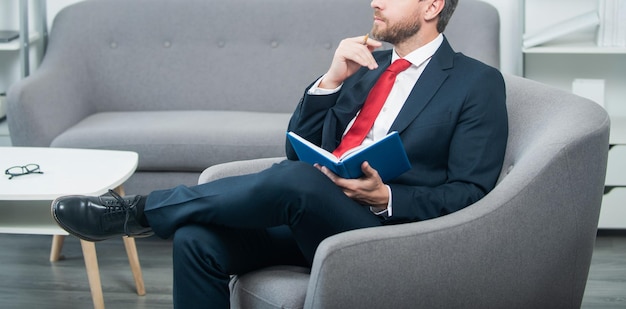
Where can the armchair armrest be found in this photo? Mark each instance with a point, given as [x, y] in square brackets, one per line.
[368, 267]
[437, 263]
[236, 168]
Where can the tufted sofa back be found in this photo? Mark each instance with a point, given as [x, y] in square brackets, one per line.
[245, 55]
[203, 54]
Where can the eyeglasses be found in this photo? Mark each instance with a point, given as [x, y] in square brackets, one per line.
[23, 170]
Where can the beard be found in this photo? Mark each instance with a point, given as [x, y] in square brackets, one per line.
[398, 32]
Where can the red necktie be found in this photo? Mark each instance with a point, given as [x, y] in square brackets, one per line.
[373, 104]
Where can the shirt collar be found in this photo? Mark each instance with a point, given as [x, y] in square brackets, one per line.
[420, 55]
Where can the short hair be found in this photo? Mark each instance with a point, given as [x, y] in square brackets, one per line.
[446, 14]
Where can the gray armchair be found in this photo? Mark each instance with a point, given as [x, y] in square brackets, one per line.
[527, 244]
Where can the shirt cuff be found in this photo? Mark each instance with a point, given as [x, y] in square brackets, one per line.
[387, 212]
[316, 90]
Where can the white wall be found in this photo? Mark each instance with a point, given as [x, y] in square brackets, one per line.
[510, 34]
[54, 6]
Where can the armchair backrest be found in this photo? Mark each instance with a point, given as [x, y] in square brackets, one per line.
[475, 31]
[224, 55]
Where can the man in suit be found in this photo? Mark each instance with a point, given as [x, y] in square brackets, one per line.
[448, 109]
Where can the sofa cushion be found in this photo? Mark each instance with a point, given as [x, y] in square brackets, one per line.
[181, 140]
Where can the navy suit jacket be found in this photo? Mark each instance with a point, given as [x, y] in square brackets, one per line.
[453, 125]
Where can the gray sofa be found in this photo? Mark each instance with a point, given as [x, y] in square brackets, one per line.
[527, 244]
[190, 84]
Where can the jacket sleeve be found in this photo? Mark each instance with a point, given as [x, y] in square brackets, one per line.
[308, 119]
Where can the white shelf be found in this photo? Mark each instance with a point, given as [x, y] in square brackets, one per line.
[617, 161]
[618, 131]
[35, 229]
[15, 44]
[574, 48]
[612, 212]
[28, 217]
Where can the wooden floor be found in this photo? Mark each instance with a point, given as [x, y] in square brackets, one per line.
[606, 285]
[29, 280]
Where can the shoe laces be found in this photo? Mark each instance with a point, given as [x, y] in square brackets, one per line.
[125, 207]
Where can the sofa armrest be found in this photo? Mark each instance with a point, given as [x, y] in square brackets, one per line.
[236, 168]
[45, 104]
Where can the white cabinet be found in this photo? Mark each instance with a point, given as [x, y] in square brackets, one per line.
[614, 202]
[576, 56]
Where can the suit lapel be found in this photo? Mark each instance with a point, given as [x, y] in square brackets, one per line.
[426, 87]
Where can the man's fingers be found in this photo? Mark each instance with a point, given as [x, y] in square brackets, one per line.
[356, 51]
[373, 44]
[326, 172]
[368, 170]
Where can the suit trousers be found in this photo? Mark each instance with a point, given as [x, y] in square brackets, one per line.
[238, 224]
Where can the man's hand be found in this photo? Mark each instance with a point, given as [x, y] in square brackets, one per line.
[368, 190]
[351, 55]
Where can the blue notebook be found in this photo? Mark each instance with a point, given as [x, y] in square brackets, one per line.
[387, 156]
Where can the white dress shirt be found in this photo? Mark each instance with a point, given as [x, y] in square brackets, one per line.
[405, 81]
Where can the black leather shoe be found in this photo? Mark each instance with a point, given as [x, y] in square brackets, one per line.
[95, 218]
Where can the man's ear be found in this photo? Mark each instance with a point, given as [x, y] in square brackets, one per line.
[433, 9]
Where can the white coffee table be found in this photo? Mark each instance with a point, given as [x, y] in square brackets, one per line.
[25, 201]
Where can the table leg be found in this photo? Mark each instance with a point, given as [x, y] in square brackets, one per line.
[93, 273]
[57, 245]
[133, 259]
[120, 190]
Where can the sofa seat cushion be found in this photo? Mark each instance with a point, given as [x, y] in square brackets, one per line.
[275, 287]
[181, 140]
